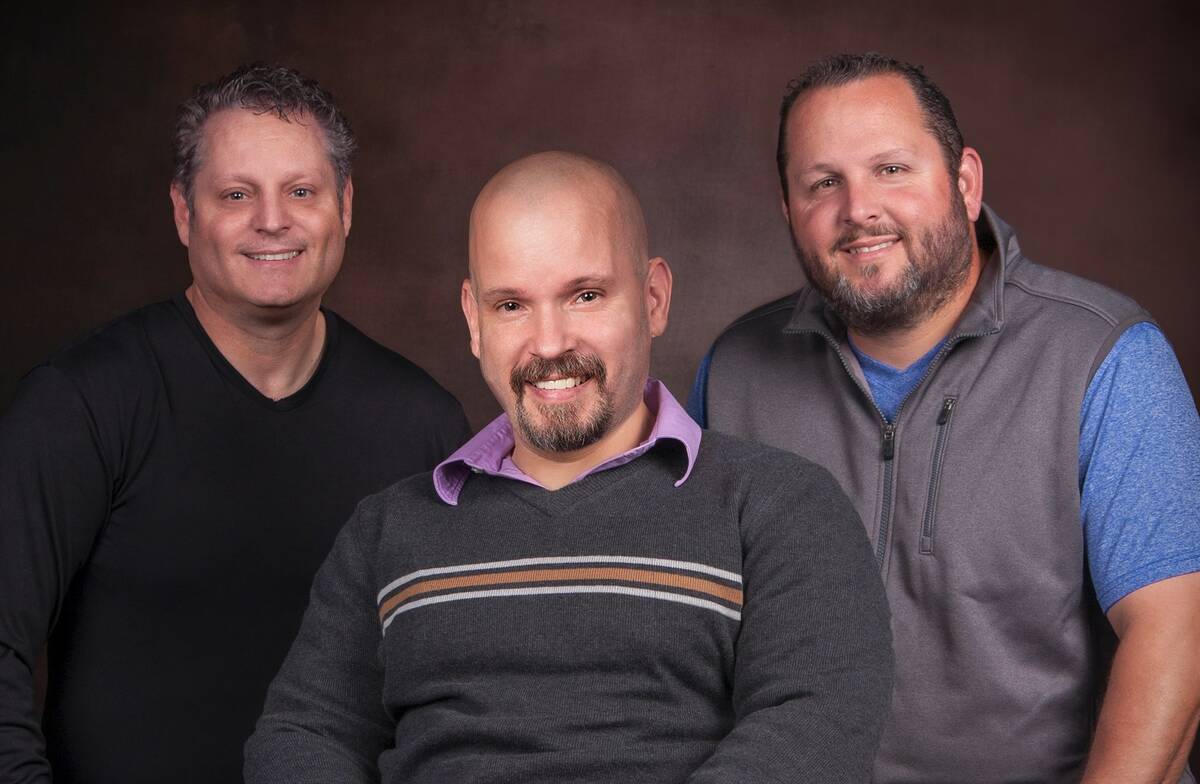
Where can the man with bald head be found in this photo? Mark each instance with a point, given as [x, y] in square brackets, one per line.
[590, 590]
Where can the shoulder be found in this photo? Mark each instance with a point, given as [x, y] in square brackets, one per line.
[761, 329]
[772, 314]
[760, 468]
[119, 354]
[1139, 384]
[411, 498]
[363, 358]
[1071, 295]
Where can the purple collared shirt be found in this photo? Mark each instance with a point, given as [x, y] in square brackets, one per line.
[490, 451]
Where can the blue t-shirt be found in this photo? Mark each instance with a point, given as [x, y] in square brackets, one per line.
[1139, 458]
[889, 385]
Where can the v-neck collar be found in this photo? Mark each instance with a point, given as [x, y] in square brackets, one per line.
[231, 374]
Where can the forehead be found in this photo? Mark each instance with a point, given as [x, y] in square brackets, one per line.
[241, 138]
[541, 245]
[865, 115]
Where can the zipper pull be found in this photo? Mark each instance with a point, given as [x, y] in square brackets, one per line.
[947, 408]
[889, 441]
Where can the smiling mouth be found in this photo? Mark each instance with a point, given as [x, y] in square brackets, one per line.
[559, 383]
[282, 256]
[870, 248]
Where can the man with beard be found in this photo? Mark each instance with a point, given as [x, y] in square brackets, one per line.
[1020, 443]
[588, 590]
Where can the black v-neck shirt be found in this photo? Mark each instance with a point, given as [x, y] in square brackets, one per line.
[160, 523]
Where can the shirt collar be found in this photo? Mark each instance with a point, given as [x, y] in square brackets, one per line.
[490, 450]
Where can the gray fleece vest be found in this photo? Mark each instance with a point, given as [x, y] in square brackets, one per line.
[971, 499]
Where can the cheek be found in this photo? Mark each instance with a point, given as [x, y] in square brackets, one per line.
[813, 232]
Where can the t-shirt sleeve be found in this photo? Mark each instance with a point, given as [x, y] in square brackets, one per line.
[1139, 467]
[54, 498]
[697, 401]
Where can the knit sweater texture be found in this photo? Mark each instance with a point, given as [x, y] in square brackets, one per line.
[732, 629]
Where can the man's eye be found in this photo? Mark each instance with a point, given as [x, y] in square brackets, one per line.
[509, 306]
[302, 193]
[891, 169]
[821, 185]
[589, 296]
[236, 196]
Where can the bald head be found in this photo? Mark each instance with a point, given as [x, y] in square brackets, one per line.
[563, 187]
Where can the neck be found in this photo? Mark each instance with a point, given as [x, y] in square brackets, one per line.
[277, 356]
[902, 347]
[553, 470]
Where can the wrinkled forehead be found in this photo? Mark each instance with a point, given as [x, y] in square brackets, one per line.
[246, 134]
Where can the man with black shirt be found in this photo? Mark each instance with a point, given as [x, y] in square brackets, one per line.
[170, 483]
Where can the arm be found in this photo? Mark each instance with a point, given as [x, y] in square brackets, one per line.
[54, 497]
[1140, 475]
[1152, 704]
[813, 673]
[323, 721]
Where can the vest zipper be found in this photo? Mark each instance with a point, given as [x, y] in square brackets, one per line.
[943, 423]
[889, 428]
[885, 513]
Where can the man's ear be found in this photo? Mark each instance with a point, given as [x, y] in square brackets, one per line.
[183, 215]
[470, 309]
[347, 205]
[658, 294]
[970, 182]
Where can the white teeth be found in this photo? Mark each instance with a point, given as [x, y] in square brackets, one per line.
[291, 254]
[880, 246]
[558, 383]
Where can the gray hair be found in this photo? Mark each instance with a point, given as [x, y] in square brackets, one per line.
[261, 88]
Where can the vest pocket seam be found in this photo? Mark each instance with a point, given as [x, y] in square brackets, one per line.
[935, 477]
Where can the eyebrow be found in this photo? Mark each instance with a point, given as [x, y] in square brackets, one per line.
[874, 159]
[892, 153]
[289, 177]
[582, 282]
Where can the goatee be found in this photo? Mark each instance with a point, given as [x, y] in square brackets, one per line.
[564, 426]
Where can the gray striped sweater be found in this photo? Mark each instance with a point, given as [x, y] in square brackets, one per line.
[618, 629]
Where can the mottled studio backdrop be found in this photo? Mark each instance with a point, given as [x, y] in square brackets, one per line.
[1086, 118]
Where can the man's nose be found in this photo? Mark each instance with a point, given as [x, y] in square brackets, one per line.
[861, 205]
[553, 334]
[272, 215]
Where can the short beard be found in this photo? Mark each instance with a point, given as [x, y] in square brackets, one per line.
[565, 429]
[937, 268]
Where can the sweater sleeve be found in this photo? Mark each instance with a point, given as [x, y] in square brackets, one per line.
[54, 498]
[813, 673]
[324, 721]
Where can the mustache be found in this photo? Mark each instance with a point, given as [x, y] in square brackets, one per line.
[570, 364]
[878, 230]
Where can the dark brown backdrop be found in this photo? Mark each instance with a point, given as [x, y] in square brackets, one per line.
[1085, 116]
